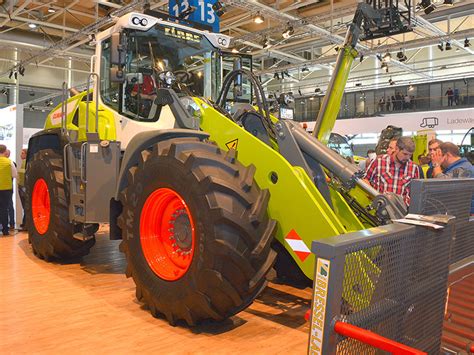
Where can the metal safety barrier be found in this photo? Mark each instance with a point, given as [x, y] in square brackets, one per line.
[390, 281]
[435, 196]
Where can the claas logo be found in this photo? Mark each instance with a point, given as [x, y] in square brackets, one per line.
[187, 36]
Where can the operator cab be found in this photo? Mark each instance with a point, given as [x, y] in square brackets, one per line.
[142, 54]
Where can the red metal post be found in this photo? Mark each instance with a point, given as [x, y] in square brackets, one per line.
[377, 341]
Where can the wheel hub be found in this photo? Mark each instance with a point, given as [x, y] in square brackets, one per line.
[182, 231]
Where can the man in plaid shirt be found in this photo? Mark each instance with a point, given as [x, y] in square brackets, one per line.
[393, 173]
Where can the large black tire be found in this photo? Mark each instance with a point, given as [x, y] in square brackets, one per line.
[232, 253]
[57, 242]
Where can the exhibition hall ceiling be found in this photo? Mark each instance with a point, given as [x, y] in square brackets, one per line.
[307, 52]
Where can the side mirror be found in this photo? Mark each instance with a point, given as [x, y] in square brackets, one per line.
[118, 49]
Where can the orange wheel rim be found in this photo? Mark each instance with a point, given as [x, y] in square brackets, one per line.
[167, 234]
[40, 206]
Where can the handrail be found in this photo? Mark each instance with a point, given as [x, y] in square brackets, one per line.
[64, 96]
[96, 93]
[375, 340]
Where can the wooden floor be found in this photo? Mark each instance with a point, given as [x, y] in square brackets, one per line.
[90, 307]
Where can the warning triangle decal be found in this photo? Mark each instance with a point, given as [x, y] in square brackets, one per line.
[232, 144]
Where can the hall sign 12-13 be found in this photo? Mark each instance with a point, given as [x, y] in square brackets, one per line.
[203, 13]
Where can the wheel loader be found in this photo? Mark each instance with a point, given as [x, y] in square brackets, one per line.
[206, 200]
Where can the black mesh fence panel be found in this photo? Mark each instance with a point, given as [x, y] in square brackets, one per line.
[392, 280]
[450, 197]
[396, 287]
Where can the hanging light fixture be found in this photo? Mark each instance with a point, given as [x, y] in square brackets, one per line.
[219, 8]
[401, 56]
[288, 32]
[448, 46]
[387, 57]
[265, 43]
[258, 18]
[467, 43]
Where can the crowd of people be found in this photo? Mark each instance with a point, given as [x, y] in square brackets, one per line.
[394, 171]
[8, 174]
[397, 102]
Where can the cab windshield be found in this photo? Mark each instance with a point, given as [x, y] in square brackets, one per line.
[189, 56]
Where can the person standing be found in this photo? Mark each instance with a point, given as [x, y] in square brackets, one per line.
[448, 164]
[7, 174]
[381, 104]
[456, 96]
[450, 94]
[394, 173]
[11, 210]
[392, 146]
[433, 147]
[21, 185]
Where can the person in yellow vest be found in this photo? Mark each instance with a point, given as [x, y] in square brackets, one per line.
[21, 185]
[7, 174]
[11, 210]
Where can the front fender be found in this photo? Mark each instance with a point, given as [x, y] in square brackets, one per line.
[131, 157]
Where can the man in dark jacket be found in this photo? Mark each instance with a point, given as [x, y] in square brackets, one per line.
[448, 164]
[433, 147]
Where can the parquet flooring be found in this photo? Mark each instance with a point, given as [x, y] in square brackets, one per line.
[90, 307]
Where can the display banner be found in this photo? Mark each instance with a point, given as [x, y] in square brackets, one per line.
[203, 12]
[11, 135]
[461, 119]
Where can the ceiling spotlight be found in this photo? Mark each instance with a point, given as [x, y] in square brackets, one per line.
[401, 56]
[440, 47]
[265, 43]
[384, 65]
[467, 43]
[391, 82]
[276, 76]
[32, 25]
[336, 49]
[311, 98]
[51, 10]
[4, 92]
[288, 32]
[48, 103]
[21, 70]
[448, 2]
[305, 69]
[219, 8]
[448, 46]
[358, 84]
[430, 9]
[411, 88]
[235, 50]
[299, 92]
[258, 18]
[361, 58]
[379, 57]
[387, 57]
[11, 74]
[317, 90]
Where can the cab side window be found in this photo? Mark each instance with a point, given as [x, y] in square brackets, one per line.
[109, 91]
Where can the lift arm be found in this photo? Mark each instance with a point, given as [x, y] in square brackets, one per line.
[375, 22]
